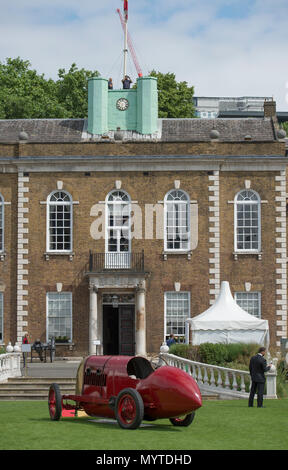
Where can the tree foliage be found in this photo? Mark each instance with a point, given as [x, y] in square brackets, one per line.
[175, 99]
[26, 94]
[72, 90]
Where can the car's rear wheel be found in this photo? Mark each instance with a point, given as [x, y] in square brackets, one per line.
[185, 421]
[129, 409]
[55, 402]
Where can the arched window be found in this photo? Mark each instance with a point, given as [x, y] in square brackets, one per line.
[1, 223]
[177, 221]
[59, 222]
[247, 221]
[118, 229]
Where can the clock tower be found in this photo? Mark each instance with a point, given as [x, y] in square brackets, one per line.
[134, 109]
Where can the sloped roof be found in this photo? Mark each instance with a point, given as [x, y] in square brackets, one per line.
[229, 129]
[42, 130]
[170, 130]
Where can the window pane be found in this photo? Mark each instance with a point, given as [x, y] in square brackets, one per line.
[250, 302]
[177, 310]
[247, 221]
[1, 317]
[59, 313]
[1, 224]
[60, 222]
[118, 229]
[177, 220]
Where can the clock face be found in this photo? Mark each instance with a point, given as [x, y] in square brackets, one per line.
[122, 104]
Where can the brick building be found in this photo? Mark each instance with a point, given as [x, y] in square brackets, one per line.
[117, 227]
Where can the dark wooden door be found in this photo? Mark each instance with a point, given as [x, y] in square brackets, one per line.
[127, 330]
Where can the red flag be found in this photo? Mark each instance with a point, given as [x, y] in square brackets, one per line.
[126, 9]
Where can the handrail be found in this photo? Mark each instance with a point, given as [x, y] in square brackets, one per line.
[99, 262]
[223, 380]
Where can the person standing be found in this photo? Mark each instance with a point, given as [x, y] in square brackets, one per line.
[257, 367]
[110, 84]
[25, 340]
[126, 82]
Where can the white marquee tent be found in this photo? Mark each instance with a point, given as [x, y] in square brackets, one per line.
[227, 322]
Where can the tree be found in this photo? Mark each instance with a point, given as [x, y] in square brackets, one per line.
[24, 94]
[175, 99]
[284, 126]
[72, 90]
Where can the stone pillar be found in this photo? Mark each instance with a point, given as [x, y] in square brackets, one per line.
[271, 378]
[140, 319]
[93, 331]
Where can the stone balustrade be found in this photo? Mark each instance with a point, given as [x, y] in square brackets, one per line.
[9, 366]
[227, 383]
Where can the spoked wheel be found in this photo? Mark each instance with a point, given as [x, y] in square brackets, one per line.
[185, 421]
[129, 409]
[55, 402]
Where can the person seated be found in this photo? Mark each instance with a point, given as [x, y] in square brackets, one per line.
[171, 340]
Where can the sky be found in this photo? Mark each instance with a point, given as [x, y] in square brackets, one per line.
[221, 47]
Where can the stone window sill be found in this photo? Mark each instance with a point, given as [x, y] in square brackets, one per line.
[258, 254]
[51, 254]
[167, 253]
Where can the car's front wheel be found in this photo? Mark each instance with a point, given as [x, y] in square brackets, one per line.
[129, 408]
[185, 421]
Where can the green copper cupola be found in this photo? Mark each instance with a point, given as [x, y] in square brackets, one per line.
[134, 109]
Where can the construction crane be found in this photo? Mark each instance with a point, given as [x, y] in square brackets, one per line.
[128, 41]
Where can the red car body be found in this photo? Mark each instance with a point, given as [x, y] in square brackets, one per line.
[130, 389]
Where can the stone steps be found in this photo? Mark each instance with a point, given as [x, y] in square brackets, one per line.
[29, 388]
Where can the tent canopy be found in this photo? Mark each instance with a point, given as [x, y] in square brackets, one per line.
[227, 322]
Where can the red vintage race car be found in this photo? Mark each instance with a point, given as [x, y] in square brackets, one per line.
[129, 389]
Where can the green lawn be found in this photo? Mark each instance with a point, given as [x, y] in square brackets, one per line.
[218, 425]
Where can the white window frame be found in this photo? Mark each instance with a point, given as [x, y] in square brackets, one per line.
[2, 317]
[255, 294]
[166, 335]
[188, 223]
[47, 313]
[49, 204]
[248, 202]
[2, 239]
[117, 259]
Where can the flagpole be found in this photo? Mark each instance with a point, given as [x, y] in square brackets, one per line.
[125, 49]
[125, 36]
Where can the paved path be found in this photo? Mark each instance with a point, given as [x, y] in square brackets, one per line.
[54, 369]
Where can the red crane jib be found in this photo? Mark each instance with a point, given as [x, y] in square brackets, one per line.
[129, 41]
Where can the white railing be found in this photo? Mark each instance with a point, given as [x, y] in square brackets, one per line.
[227, 383]
[9, 366]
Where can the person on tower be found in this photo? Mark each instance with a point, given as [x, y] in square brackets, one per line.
[126, 82]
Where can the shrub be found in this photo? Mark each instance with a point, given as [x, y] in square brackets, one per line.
[185, 350]
[216, 354]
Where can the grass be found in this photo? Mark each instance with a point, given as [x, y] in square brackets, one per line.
[218, 425]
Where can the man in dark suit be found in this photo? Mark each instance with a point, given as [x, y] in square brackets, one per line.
[257, 367]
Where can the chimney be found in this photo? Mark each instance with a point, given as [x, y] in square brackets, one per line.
[269, 109]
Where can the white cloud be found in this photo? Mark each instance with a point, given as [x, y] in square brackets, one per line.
[220, 54]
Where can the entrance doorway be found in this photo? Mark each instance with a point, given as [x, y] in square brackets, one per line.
[119, 330]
